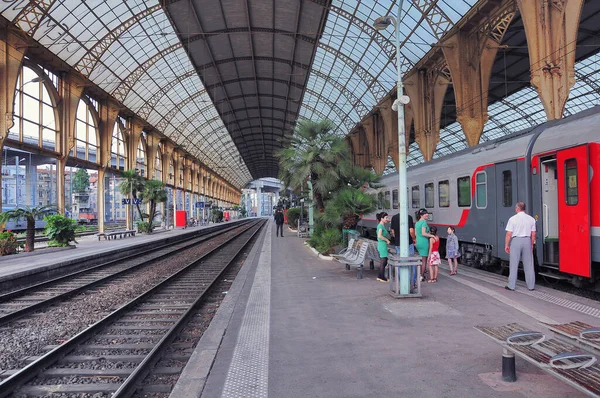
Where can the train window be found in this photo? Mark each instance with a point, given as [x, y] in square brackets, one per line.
[429, 195]
[416, 197]
[507, 188]
[395, 199]
[444, 193]
[481, 190]
[464, 191]
[386, 202]
[380, 201]
[571, 182]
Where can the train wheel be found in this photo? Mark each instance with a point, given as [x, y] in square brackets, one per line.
[550, 281]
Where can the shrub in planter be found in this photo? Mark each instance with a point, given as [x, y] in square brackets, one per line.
[8, 243]
[143, 226]
[293, 215]
[60, 230]
[328, 239]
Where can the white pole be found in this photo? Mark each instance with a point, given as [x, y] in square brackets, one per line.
[402, 183]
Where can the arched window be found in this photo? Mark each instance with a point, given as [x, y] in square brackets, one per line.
[158, 164]
[34, 118]
[140, 158]
[118, 152]
[86, 133]
[171, 172]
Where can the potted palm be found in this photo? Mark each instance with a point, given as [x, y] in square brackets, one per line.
[30, 214]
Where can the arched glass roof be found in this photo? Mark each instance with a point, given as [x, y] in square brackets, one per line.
[130, 49]
[355, 65]
[507, 116]
[226, 80]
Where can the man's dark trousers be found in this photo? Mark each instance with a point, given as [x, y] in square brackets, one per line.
[279, 229]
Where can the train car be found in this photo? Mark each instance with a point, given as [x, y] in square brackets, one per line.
[554, 168]
[87, 217]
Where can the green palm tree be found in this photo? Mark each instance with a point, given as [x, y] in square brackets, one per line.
[153, 194]
[30, 214]
[131, 184]
[317, 153]
[348, 205]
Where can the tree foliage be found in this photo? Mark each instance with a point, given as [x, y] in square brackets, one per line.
[317, 153]
[30, 214]
[131, 184]
[153, 193]
[81, 181]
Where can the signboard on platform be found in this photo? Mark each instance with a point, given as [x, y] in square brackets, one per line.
[136, 201]
[200, 205]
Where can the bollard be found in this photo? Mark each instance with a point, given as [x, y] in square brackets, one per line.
[347, 267]
[509, 372]
[359, 272]
[371, 265]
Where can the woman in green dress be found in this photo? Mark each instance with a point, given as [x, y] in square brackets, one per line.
[423, 235]
[383, 240]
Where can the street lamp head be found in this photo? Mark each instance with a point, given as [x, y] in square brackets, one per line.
[403, 100]
[382, 23]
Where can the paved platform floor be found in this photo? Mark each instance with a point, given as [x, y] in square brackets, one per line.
[294, 325]
[19, 264]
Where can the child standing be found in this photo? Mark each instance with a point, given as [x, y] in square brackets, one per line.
[434, 255]
[452, 252]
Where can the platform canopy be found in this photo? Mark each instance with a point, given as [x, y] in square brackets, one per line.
[228, 79]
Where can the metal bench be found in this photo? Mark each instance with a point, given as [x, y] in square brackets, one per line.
[563, 360]
[113, 234]
[303, 231]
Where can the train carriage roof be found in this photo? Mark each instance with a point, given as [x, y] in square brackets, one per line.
[574, 130]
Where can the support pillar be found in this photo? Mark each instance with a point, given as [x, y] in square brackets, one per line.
[12, 50]
[108, 117]
[258, 201]
[551, 29]
[101, 197]
[470, 56]
[375, 138]
[426, 90]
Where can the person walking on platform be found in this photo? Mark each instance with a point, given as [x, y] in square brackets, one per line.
[279, 222]
[519, 243]
[383, 240]
[411, 242]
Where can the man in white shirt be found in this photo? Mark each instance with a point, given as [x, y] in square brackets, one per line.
[519, 241]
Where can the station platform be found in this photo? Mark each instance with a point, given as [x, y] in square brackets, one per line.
[47, 260]
[293, 325]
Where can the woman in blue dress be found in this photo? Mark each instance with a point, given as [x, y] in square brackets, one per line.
[383, 240]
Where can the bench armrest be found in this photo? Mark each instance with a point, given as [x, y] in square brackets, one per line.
[590, 331]
[569, 356]
[536, 337]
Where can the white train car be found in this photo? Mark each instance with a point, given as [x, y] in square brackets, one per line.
[550, 168]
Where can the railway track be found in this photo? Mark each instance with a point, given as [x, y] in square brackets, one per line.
[114, 355]
[25, 301]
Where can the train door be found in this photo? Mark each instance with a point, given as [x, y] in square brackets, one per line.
[506, 199]
[549, 174]
[574, 211]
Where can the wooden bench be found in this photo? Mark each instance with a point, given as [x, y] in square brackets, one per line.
[113, 234]
[563, 360]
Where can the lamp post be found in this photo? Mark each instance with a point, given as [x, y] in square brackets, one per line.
[382, 23]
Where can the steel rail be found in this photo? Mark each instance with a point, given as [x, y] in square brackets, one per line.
[131, 384]
[18, 379]
[9, 317]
